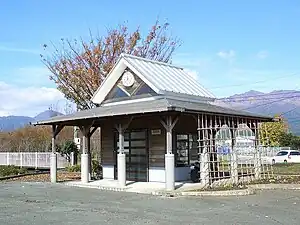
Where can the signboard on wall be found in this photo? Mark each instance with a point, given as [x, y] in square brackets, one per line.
[156, 132]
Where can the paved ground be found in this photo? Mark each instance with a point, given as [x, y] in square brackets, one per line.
[38, 203]
[136, 187]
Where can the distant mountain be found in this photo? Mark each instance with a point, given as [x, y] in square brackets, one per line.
[286, 102]
[10, 123]
[46, 115]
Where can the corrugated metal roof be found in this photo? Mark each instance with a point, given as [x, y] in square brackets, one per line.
[159, 105]
[167, 77]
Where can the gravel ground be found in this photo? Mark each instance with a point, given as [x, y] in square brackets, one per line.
[61, 176]
[44, 203]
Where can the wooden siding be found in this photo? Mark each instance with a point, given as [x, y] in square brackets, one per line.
[107, 148]
[157, 145]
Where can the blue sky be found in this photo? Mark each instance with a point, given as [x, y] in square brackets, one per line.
[231, 46]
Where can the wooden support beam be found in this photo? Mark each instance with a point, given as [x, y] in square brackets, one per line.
[93, 131]
[56, 129]
[86, 128]
[123, 126]
[169, 124]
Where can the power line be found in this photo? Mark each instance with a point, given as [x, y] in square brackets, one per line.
[249, 99]
[257, 82]
[260, 95]
[268, 103]
[291, 110]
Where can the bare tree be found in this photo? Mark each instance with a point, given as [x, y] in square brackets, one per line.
[79, 67]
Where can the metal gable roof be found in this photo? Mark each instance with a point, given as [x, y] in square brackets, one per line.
[159, 105]
[161, 77]
[167, 77]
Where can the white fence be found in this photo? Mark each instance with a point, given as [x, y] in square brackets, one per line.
[31, 159]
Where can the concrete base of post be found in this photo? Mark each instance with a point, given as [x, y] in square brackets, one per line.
[170, 171]
[122, 169]
[84, 168]
[53, 167]
[257, 166]
[204, 169]
[234, 168]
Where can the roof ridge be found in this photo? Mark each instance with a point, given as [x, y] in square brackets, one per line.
[150, 60]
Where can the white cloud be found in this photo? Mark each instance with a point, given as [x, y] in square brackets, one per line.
[28, 101]
[262, 54]
[16, 49]
[228, 55]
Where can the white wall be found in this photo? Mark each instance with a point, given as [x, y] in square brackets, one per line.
[157, 174]
[108, 172]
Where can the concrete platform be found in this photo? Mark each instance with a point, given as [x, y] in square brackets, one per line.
[135, 187]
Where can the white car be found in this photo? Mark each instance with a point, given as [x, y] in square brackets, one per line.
[287, 156]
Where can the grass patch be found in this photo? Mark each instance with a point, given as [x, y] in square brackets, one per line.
[11, 171]
[227, 187]
[286, 169]
[281, 179]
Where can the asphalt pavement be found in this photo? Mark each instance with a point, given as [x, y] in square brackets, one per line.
[44, 203]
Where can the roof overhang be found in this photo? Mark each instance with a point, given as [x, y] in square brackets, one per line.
[146, 107]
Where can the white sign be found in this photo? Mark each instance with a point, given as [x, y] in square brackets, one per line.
[156, 132]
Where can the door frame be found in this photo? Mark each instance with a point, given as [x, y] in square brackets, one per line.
[146, 130]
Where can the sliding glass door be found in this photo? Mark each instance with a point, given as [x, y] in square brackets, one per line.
[136, 150]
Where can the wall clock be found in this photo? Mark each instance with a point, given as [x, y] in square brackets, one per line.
[128, 79]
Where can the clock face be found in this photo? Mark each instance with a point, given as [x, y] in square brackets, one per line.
[128, 79]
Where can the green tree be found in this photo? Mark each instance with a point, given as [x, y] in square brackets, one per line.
[67, 148]
[79, 67]
[289, 140]
[271, 132]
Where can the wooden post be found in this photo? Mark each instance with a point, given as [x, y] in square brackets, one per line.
[85, 158]
[121, 158]
[53, 157]
[169, 156]
[233, 159]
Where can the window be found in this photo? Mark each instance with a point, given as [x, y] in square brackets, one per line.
[186, 149]
[145, 89]
[116, 92]
[282, 153]
[295, 153]
[119, 91]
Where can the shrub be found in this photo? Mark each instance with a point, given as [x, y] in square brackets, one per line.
[11, 171]
[75, 168]
[96, 168]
